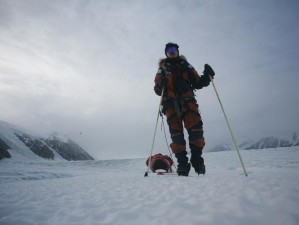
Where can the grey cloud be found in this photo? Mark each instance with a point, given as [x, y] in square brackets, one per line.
[86, 68]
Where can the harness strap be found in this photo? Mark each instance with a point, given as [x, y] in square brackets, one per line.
[177, 107]
[180, 103]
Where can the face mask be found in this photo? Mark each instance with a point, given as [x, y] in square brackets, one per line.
[172, 52]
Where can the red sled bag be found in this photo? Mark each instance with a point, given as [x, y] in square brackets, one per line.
[160, 162]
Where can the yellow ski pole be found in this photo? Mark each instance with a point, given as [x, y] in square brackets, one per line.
[229, 127]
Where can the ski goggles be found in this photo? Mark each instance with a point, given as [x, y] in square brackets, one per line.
[171, 49]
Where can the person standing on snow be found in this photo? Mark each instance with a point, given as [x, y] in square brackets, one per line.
[179, 79]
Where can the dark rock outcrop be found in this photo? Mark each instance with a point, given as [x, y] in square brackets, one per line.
[68, 150]
[36, 146]
[44, 148]
[3, 150]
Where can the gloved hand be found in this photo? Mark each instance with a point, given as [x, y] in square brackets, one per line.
[208, 71]
[160, 85]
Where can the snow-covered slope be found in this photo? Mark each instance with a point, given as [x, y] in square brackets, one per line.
[116, 192]
[262, 143]
[273, 142]
[19, 145]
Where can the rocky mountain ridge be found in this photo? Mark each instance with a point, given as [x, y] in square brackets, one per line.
[263, 143]
[15, 143]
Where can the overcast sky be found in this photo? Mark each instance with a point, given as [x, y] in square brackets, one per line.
[86, 68]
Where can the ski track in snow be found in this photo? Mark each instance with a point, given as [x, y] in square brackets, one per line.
[116, 192]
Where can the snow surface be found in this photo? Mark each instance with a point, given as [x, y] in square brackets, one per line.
[116, 192]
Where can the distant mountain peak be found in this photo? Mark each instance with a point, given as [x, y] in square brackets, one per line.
[60, 137]
[14, 143]
[262, 143]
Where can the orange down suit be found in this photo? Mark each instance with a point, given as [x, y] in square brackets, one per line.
[179, 79]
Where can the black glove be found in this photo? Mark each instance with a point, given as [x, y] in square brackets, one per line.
[208, 71]
[159, 87]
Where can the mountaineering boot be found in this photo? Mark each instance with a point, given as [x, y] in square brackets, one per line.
[183, 169]
[183, 165]
[198, 163]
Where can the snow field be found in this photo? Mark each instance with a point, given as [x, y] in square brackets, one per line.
[116, 192]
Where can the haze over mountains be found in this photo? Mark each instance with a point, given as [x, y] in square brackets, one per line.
[262, 143]
[17, 144]
[22, 145]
